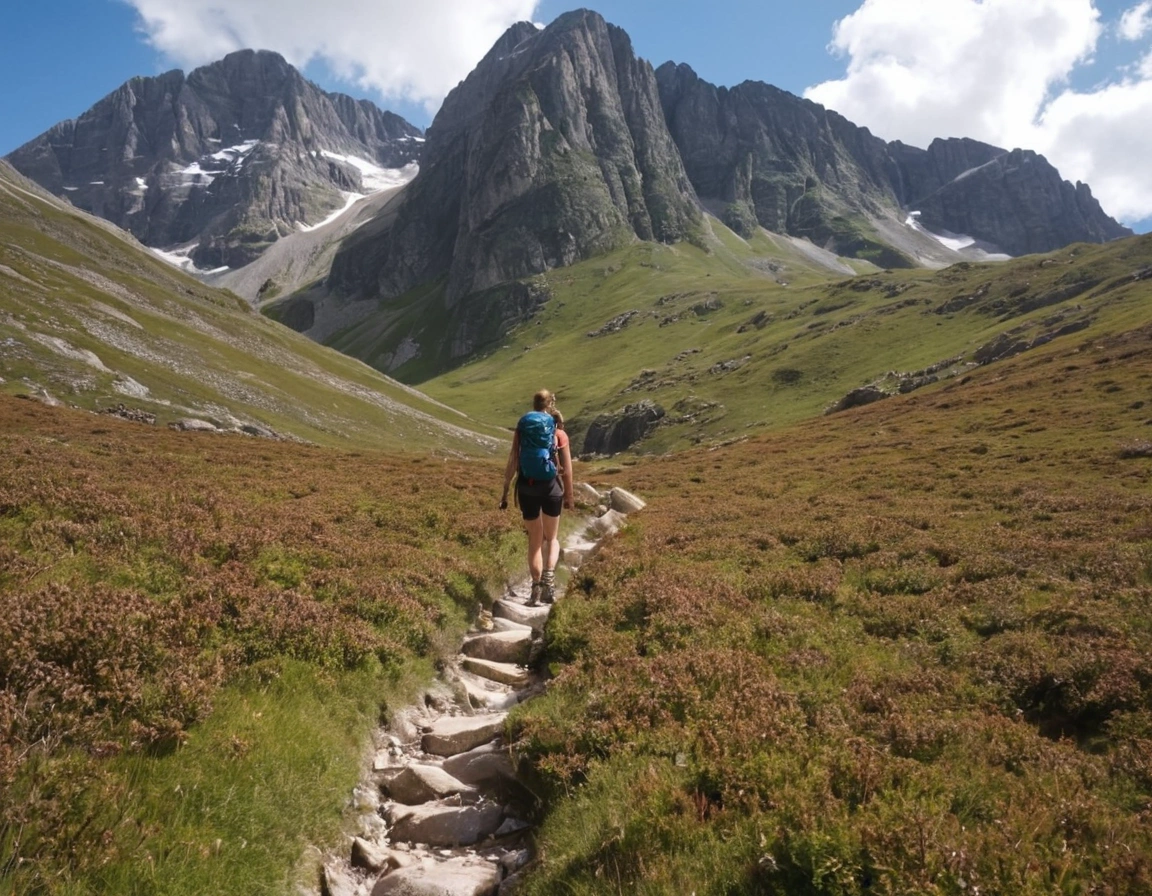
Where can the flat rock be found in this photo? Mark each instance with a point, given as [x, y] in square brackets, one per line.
[457, 734]
[483, 767]
[485, 693]
[504, 624]
[505, 673]
[609, 524]
[462, 876]
[625, 502]
[525, 615]
[424, 783]
[444, 825]
[499, 647]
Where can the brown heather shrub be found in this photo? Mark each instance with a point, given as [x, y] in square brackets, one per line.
[142, 570]
[898, 666]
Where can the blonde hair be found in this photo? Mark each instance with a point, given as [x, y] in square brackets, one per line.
[543, 400]
[557, 416]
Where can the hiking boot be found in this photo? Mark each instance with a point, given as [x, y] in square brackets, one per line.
[534, 598]
[549, 593]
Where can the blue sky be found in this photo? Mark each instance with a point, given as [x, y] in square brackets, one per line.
[1071, 78]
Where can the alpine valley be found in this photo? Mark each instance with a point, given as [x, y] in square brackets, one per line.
[881, 627]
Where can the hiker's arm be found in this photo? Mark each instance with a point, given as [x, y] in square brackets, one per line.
[566, 466]
[510, 469]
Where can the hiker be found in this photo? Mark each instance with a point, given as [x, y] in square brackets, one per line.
[541, 461]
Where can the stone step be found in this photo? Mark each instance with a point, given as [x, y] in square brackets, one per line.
[502, 624]
[444, 824]
[608, 524]
[418, 784]
[484, 693]
[450, 735]
[458, 876]
[486, 767]
[534, 617]
[499, 647]
[505, 673]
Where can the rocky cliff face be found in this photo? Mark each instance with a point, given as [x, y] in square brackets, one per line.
[228, 158]
[553, 150]
[757, 155]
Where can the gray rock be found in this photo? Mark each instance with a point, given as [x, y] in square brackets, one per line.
[461, 876]
[458, 734]
[503, 624]
[511, 884]
[484, 767]
[483, 693]
[608, 524]
[191, 424]
[612, 433]
[444, 825]
[625, 502]
[504, 673]
[534, 617]
[499, 647]
[858, 398]
[370, 856]
[424, 783]
[586, 494]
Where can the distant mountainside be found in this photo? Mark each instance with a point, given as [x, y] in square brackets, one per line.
[761, 156]
[219, 164]
[562, 145]
[89, 318]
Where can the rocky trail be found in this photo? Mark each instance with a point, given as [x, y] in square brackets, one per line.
[441, 811]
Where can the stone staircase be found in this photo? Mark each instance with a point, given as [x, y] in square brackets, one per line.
[441, 813]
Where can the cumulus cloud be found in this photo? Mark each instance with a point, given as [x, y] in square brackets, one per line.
[400, 49]
[1137, 21]
[998, 71]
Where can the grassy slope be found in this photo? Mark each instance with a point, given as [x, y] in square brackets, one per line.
[197, 351]
[816, 340]
[197, 633]
[902, 649]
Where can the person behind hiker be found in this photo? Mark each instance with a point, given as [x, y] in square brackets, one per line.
[541, 496]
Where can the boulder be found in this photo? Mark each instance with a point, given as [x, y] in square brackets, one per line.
[625, 502]
[505, 673]
[370, 856]
[586, 494]
[438, 824]
[858, 398]
[459, 876]
[424, 783]
[535, 617]
[608, 524]
[191, 424]
[504, 624]
[483, 693]
[499, 647]
[484, 767]
[458, 734]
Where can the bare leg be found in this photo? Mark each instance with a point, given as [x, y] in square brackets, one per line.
[550, 548]
[535, 530]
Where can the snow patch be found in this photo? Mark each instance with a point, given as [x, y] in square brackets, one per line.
[178, 258]
[141, 183]
[957, 242]
[350, 199]
[373, 177]
[206, 169]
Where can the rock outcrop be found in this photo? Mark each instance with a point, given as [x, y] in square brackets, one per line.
[758, 155]
[553, 150]
[612, 433]
[228, 158]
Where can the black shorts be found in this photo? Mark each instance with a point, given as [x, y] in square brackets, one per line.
[533, 500]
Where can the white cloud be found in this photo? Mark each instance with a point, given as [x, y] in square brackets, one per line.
[1137, 21]
[416, 51]
[998, 71]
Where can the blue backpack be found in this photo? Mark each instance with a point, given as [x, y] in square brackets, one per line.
[537, 446]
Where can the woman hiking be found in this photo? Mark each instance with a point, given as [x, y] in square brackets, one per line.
[541, 461]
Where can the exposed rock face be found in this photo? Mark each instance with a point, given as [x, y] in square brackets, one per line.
[231, 156]
[759, 155]
[553, 150]
[612, 433]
